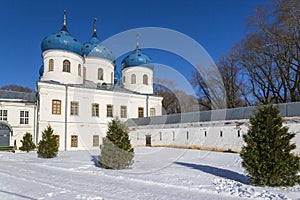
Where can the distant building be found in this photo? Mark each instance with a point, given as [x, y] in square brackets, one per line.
[219, 130]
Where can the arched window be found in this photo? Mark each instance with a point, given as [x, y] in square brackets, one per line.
[112, 77]
[79, 69]
[51, 65]
[133, 79]
[100, 74]
[124, 79]
[145, 79]
[66, 66]
[84, 72]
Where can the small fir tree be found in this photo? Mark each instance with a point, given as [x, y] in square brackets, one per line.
[47, 147]
[267, 154]
[116, 150]
[27, 143]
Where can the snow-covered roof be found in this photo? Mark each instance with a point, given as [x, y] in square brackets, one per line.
[286, 110]
[106, 87]
[6, 95]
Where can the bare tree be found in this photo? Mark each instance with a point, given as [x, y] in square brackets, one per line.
[170, 102]
[175, 101]
[16, 88]
[235, 81]
[271, 53]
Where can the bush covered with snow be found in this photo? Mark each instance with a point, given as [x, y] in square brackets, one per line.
[116, 150]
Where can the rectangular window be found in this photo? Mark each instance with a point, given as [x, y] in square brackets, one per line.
[56, 107]
[152, 112]
[160, 136]
[57, 139]
[109, 110]
[140, 112]
[173, 135]
[95, 140]
[95, 110]
[123, 112]
[74, 107]
[24, 117]
[79, 69]
[3, 115]
[74, 141]
[239, 133]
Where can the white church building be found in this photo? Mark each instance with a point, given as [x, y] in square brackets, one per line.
[77, 94]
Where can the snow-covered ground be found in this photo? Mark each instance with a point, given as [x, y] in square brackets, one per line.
[158, 173]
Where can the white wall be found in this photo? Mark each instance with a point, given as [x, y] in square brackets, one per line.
[13, 119]
[193, 134]
[85, 125]
[92, 65]
[57, 74]
[139, 71]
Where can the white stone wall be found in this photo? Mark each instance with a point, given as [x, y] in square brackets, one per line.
[139, 71]
[13, 108]
[92, 65]
[193, 134]
[57, 74]
[85, 125]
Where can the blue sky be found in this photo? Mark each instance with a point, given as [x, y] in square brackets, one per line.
[215, 24]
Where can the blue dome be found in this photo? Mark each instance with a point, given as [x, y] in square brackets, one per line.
[63, 41]
[94, 48]
[41, 71]
[137, 58]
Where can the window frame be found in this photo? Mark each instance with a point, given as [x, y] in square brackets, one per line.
[109, 109]
[95, 110]
[133, 79]
[55, 109]
[3, 117]
[140, 112]
[66, 66]
[50, 65]
[74, 141]
[145, 79]
[123, 111]
[24, 119]
[74, 108]
[96, 140]
[100, 76]
[79, 69]
[152, 112]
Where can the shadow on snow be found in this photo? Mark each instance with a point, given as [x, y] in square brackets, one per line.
[17, 195]
[95, 160]
[223, 173]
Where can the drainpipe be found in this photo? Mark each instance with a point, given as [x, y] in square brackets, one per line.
[66, 117]
[34, 120]
[147, 105]
[38, 116]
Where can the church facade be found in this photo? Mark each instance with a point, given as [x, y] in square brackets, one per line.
[77, 93]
